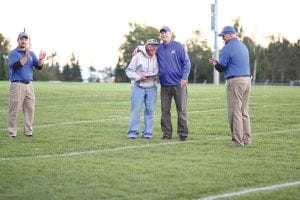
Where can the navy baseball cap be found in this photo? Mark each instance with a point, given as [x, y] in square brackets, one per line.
[165, 29]
[22, 35]
[227, 30]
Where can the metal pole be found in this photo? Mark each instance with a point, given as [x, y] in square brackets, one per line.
[215, 29]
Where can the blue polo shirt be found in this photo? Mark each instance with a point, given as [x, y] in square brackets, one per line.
[24, 73]
[174, 63]
[235, 59]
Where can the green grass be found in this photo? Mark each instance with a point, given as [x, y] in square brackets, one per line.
[79, 149]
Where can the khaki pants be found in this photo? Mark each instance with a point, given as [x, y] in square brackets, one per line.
[20, 96]
[180, 97]
[238, 92]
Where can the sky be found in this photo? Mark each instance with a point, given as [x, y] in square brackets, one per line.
[94, 30]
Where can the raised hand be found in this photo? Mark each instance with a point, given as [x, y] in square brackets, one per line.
[42, 55]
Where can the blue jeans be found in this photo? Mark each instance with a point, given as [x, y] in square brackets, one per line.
[140, 96]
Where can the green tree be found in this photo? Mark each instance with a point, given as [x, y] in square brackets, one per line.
[107, 73]
[137, 35]
[43, 75]
[52, 58]
[239, 29]
[92, 76]
[294, 68]
[54, 68]
[55, 71]
[261, 74]
[4, 51]
[72, 72]
[66, 73]
[255, 55]
[278, 54]
[199, 53]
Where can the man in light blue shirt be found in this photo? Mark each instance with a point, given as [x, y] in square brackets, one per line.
[21, 62]
[234, 62]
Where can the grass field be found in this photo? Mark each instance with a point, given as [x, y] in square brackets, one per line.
[79, 149]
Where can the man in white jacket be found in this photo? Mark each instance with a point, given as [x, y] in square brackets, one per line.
[143, 72]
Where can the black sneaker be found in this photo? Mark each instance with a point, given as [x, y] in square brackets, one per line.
[165, 138]
[183, 138]
[11, 135]
[131, 138]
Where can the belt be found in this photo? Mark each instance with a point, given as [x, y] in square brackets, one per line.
[144, 87]
[237, 76]
[19, 81]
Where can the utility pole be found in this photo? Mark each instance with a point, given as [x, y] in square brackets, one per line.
[214, 28]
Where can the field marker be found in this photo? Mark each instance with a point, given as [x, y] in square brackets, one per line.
[214, 197]
[78, 153]
[74, 122]
[252, 190]
[77, 104]
[120, 117]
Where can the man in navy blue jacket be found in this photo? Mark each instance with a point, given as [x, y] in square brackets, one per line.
[234, 62]
[174, 68]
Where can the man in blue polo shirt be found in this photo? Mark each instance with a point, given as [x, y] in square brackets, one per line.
[234, 62]
[174, 68]
[21, 62]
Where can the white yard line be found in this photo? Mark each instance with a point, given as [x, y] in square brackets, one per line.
[78, 153]
[100, 120]
[74, 122]
[128, 102]
[213, 197]
[252, 190]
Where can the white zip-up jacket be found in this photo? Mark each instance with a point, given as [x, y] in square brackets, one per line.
[142, 65]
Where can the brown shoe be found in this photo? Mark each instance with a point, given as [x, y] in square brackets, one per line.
[233, 144]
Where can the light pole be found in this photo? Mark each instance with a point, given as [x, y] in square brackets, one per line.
[214, 28]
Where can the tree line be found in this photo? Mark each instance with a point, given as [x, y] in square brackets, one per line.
[277, 63]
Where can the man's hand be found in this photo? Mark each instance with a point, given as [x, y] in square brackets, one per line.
[26, 57]
[213, 61]
[27, 53]
[137, 49]
[42, 56]
[183, 83]
[145, 78]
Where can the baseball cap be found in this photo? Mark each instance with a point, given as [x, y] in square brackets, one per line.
[23, 35]
[152, 41]
[165, 29]
[227, 30]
